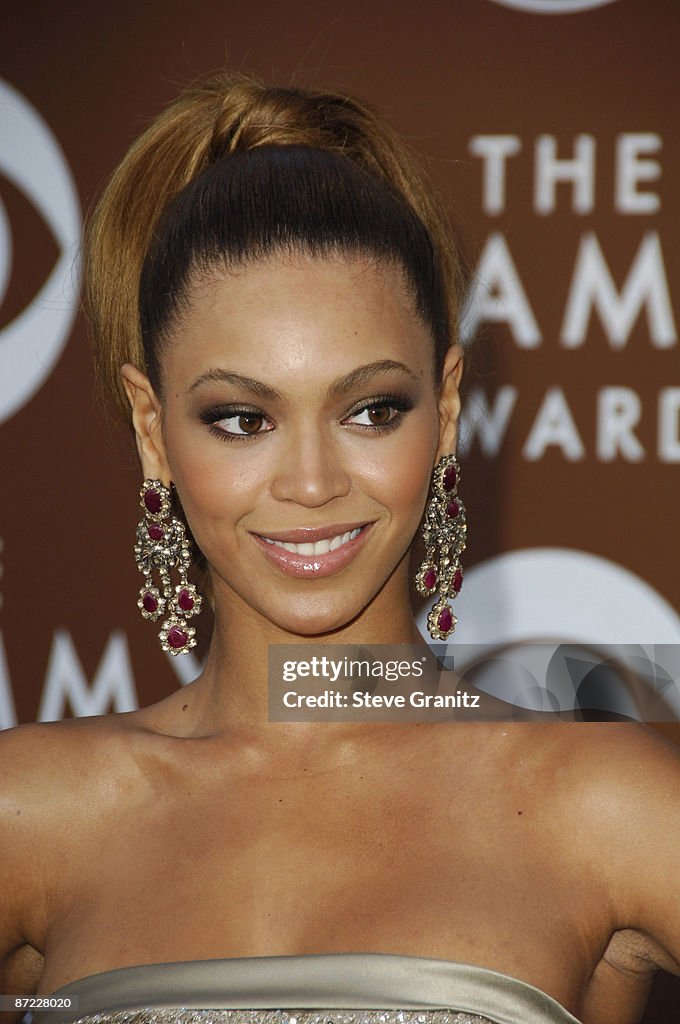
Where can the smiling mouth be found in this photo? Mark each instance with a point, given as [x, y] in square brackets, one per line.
[313, 552]
[318, 547]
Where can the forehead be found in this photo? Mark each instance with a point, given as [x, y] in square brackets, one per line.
[299, 315]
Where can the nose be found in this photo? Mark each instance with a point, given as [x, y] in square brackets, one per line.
[310, 472]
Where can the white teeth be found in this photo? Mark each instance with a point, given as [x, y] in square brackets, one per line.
[319, 547]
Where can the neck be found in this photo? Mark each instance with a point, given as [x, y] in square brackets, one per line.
[231, 697]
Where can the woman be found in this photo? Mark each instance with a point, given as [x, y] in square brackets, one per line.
[295, 381]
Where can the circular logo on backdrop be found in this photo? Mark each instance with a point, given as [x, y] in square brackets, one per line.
[553, 6]
[561, 592]
[31, 158]
[532, 596]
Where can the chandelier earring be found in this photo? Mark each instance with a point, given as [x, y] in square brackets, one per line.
[444, 536]
[162, 547]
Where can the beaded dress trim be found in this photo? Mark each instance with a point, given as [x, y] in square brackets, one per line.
[283, 1017]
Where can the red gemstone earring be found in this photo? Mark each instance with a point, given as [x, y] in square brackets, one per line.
[161, 546]
[444, 534]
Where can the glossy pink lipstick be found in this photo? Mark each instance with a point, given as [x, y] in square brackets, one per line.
[313, 552]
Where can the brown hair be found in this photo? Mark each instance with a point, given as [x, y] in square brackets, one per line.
[218, 117]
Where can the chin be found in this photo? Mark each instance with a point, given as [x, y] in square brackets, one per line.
[307, 609]
[314, 624]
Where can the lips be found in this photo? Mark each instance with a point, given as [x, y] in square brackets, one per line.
[314, 551]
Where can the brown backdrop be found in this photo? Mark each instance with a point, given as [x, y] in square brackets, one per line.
[553, 137]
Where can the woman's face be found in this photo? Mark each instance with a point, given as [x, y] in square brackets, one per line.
[300, 425]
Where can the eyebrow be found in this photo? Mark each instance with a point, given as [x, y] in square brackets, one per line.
[217, 376]
[365, 374]
[355, 378]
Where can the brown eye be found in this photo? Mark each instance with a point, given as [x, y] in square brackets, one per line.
[238, 423]
[249, 423]
[379, 415]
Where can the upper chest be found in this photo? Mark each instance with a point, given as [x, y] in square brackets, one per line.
[408, 854]
[401, 824]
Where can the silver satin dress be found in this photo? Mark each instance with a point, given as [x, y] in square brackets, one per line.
[328, 988]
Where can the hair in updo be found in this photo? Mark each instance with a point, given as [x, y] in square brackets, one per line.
[234, 172]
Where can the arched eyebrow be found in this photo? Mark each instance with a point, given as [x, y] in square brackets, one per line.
[365, 374]
[359, 377]
[218, 376]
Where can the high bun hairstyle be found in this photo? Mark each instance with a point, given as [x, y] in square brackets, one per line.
[234, 171]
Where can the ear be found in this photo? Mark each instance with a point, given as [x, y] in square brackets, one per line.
[449, 401]
[146, 419]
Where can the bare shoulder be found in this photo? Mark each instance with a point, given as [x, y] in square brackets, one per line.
[618, 769]
[47, 758]
[57, 780]
[53, 772]
[48, 767]
[618, 800]
[612, 780]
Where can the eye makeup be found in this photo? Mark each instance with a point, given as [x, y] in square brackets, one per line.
[251, 422]
[396, 404]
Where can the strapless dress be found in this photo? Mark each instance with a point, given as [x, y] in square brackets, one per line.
[325, 988]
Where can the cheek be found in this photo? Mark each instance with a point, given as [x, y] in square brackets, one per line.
[401, 479]
[415, 476]
[212, 491]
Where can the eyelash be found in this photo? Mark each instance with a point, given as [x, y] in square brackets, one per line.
[401, 404]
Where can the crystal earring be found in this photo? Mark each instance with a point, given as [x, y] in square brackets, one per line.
[162, 546]
[444, 533]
